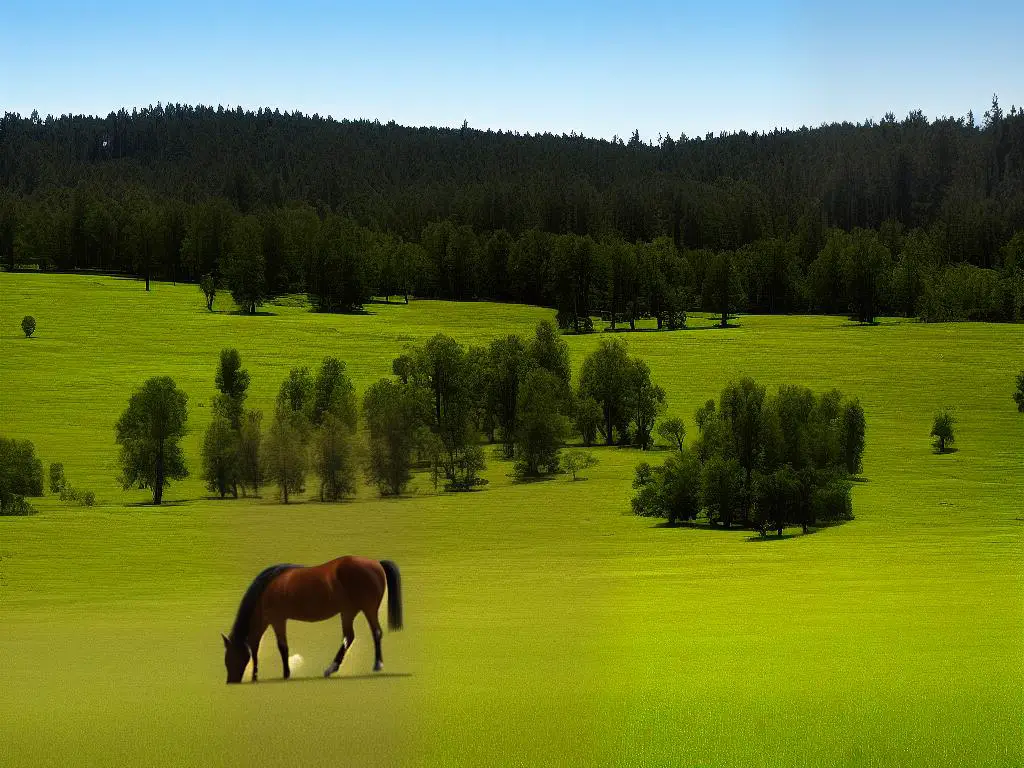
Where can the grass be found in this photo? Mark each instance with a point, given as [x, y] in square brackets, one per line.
[544, 624]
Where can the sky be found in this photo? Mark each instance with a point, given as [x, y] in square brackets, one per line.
[600, 69]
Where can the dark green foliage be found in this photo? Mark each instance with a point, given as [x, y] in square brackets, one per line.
[645, 399]
[542, 426]
[149, 432]
[245, 267]
[21, 475]
[28, 325]
[208, 285]
[605, 378]
[334, 395]
[250, 444]
[284, 454]
[343, 274]
[233, 383]
[942, 431]
[395, 414]
[508, 364]
[1018, 396]
[220, 456]
[760, 460]
[296, 396]
[587, 418]
[671, 491]
[335, 458]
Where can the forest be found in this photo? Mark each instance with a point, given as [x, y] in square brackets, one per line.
[913, 217]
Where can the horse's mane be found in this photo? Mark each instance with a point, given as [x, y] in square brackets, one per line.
[240, 630]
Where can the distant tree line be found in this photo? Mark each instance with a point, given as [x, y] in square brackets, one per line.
[910, 217]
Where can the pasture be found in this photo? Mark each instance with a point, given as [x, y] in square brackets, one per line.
[545, 625]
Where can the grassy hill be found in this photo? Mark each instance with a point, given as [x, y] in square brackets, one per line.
[545, 625]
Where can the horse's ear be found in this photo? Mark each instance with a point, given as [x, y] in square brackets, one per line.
[227, 643]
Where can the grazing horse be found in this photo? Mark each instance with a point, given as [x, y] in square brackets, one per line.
[343, 586]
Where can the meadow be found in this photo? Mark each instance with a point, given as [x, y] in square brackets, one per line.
[545, 625]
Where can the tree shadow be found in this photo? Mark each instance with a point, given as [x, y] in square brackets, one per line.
[945, 451]
[161, 505]
[859, 480]
[531, 480]
[242, 312]
[757, 537]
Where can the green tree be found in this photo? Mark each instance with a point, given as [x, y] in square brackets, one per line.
[250, 443]
[673, 432]
[149, 433]
[671, 491]
[232, 382]
[508, 365]
[220, 456]
[723, 290]
[587, 417]
[58, 481]
[1018, 396]
[334, 394]
[777, 499]
[575, 461]
[296, 396]
[245, 267]
[208, 285]
[542, 427]
[942, 431]
[28, 325]
[645, 401]
[284, 453]
[21, 475]
[335, 458]
[394, 413]
[852, 436]
[605, 377]
[722, 490]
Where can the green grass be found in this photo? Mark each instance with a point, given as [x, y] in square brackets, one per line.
[545, 625]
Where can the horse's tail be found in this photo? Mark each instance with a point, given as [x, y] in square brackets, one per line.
[394, 580]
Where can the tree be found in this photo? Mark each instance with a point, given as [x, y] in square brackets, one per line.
[335, 458]
[646, 400]
[777, 499]
[233, 384]
[1018, 396]
[208, 285]
[575, 461]
[942, 431]
[542, 427]
[605, 377]
[58, 481]
[723, 291]
[587, 419]
[334, 395]
[722, 490]
[250, 463]
[673, 432]
[149, 433]
[245, 267]
[220, 456]
[284, 453]
[671, 491]
[508, 365]
[394, 413]
[21, 475]
[852, 436]
[28, 325]
[296, 396]
[867, 262]
[549, 351]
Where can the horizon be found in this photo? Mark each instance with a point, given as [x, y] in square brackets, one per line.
[670, 69]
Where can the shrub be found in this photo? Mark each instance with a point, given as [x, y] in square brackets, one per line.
[57, 479]
[576, 461]
[28, 325]
[942, 431]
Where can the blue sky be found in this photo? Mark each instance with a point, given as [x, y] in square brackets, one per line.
[597, 68]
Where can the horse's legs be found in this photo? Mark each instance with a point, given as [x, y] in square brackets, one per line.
[280, 632]
[254, 649]
[378, 658]
[349, 633]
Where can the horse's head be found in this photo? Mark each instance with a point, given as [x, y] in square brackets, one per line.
[236, 658]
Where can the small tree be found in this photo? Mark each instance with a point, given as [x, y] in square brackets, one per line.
[673, 432]
[394, 414]
[334, 394]
[233, 383]
[250, 438]
[1018, 396]
[209, 288]
[21, 475]
[334, 458]
[28, 325]
[722, 490]
[671, 491]
[852, 436]
[58, 482]
[575, 461]
[942, 431]
[149, 433]
[285, 457]
[220, 457]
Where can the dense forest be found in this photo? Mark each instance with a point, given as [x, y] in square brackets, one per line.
[911, 217]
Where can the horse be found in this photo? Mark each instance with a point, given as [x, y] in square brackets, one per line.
[345, 586]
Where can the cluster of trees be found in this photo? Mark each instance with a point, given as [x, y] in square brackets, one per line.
[912, 217]
[761, 461]
[21, 476]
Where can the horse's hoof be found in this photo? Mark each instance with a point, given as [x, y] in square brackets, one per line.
[378, 667]
[330, 670]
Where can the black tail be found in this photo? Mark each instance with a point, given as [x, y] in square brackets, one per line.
[394, 594]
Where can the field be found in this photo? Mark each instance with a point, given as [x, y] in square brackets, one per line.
[544, 624]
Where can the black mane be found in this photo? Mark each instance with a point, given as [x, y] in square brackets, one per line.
[241, 626]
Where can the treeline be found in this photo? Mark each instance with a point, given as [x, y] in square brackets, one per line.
[911, 217]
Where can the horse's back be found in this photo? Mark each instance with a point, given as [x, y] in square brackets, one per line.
[315, 593]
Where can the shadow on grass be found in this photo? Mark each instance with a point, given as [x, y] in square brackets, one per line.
[243, 313]
[757, 537]
[336, 678]
[946, 451]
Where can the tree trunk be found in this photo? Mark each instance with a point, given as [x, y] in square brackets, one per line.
[284, 492]
[158, 484]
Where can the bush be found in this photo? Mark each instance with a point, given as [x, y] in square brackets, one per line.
[57, 480]
[576, 461]
[28, 325]
[942, 431]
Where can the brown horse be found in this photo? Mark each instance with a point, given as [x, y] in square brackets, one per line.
[343, 586]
